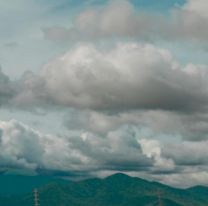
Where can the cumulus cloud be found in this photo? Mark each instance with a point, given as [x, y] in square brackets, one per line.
[189, 22]
[120, 150]
[128, 76]
[188, 153]
[19, 146]
[152, 148]
[120, 19]
[133, 107]
[129, 84]
[198, 7]
[124, 150]
[25, 148]
[116, 19]
[187, 126]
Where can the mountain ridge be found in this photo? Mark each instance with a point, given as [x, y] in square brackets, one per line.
[118, 189]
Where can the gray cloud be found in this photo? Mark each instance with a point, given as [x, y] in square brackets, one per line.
[116, 19]
[131, 102]
[6, 89]
[129, 84]
[120, 19]
[88, 154]
[19, 145]
[187, 178]
[129, 76]
[186, 126]
[187, 153]
[25, 148]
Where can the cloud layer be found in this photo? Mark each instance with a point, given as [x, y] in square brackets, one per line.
[128, 76]
[125, 99]
[128, 104]
[121, 19]
[120, 150]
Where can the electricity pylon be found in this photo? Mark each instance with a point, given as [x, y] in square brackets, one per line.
[160, 198]
[36, 197]
[158, 202]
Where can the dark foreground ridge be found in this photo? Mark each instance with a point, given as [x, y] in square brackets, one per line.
[115, 190]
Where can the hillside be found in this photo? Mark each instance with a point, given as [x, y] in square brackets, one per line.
[17, 184]
[118, 189]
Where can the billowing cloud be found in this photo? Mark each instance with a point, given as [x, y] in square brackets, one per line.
[128, 76]
[88, 154]
[189, 22]
[152, 148]
[121, 19]
[25, 148]
[19, 145]
[116, 19]
[129, 106]
[197, 7]
[188, 153]
[186, 126]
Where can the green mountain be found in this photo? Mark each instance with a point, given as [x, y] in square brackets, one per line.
[17, 184]
[115, 190]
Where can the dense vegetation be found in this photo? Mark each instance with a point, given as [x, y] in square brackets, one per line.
[116, 190]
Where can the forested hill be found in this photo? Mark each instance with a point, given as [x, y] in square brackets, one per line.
[115, 190]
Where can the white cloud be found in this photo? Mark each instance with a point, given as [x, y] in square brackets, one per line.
[175, 125]
[22, 147]
[198, 7]
[112, 20]
[188, 153]
[25, 148]
[121, 19]
[117, 18]
[186, 179]
[128, 76]
[117, 91]
[152, 149]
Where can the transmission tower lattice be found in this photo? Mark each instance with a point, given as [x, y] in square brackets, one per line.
[36, 198]
[160, 198]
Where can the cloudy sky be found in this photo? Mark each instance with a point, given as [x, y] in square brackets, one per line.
[94, 87]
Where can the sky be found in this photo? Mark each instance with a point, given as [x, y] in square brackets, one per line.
[89, 88]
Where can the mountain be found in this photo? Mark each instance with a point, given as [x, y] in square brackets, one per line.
[115, 190]
[18, 184]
